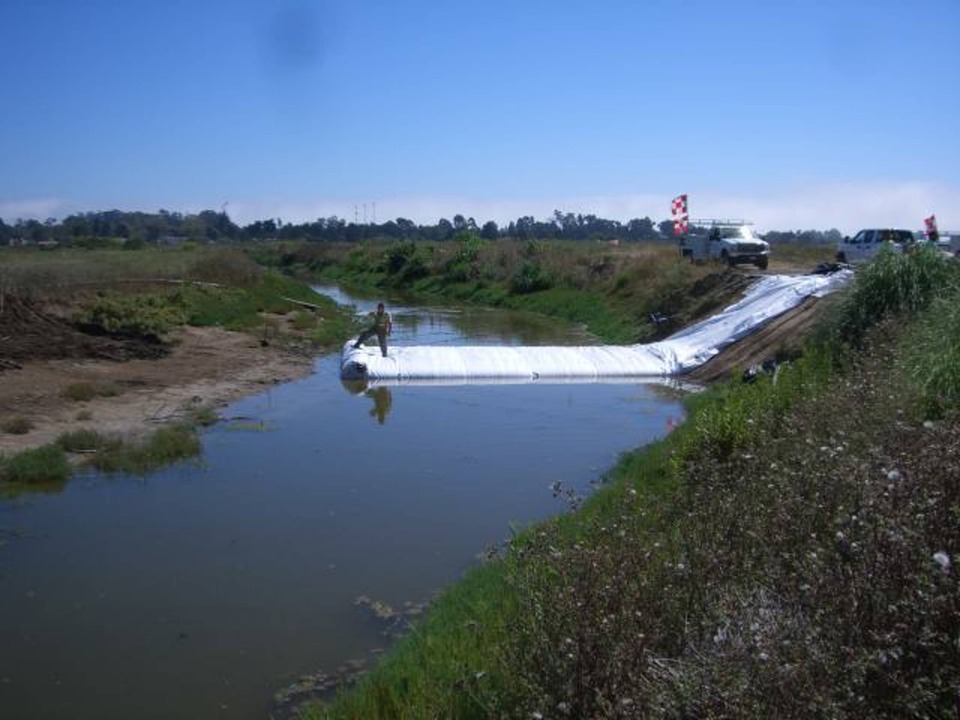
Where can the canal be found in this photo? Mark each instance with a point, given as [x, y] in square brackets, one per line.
[201, 589]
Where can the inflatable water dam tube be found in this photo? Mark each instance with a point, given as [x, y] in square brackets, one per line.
[769, 297]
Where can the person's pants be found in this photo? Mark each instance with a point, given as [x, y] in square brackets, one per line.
[381, 338]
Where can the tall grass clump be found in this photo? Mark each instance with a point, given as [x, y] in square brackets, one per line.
[932, 356]
[165, 446]
[46, 464]
[84, 440]
[892, 283]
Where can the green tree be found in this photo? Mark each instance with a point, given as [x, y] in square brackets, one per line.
[490, 231]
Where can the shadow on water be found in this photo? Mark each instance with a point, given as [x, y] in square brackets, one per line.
[322, 518]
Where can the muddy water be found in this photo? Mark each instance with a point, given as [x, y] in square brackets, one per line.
[200, 590]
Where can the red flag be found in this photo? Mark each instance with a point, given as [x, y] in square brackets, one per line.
[678, 208]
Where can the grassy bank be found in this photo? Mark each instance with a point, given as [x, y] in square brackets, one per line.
[612, 290]
[790, 551]
[150, 292]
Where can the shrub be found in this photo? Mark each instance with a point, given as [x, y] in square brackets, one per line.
[530, 277]
[150, 315]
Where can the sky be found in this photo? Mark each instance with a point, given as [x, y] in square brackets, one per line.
[794, 115]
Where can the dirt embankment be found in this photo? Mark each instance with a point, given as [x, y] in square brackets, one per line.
[148, 383]
[781, 337]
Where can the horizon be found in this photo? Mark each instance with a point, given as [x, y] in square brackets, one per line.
[788, 116]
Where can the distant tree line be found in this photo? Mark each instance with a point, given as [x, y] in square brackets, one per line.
[165, 227]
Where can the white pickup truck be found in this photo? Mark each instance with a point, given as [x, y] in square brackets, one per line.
[867, 243]
[731, 242]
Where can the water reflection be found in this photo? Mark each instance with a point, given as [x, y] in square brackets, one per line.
[382, 402]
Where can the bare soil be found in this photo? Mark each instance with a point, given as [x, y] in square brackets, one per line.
[781, 337]
[42, 354]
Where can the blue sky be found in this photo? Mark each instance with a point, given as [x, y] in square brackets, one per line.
[791, 114]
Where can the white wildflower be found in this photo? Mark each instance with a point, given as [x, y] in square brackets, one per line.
[942, 559]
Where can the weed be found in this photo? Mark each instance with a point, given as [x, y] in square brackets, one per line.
[84, 440]
[86, 391]
[166, 445]
[46, 464]
[16, 426]
[304, 320]
[202, 416]
[892, 283]
[932, 359]
[149, 315]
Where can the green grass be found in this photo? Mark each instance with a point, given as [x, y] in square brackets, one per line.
[590, 309]
[113, 454]
[165, 446]
[43, 465]
[890, 284]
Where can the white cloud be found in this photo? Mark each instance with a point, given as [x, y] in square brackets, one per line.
[845, 206]
[33, 209]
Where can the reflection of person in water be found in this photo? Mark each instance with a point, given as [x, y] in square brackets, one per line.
[382, 400]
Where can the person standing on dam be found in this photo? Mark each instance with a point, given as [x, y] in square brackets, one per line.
[382, 326]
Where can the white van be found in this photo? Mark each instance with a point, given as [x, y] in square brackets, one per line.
[867, 243]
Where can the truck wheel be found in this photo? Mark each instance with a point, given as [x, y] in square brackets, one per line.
[762, 263]
[726, 259]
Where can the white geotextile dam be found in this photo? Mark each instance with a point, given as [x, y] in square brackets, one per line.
[770, 296]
